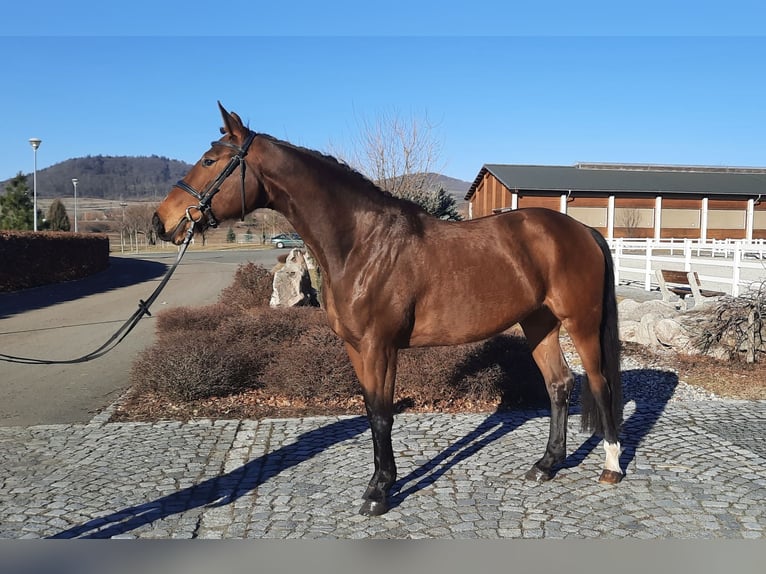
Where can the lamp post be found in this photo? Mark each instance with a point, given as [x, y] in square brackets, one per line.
[74, 182]
[35, 142]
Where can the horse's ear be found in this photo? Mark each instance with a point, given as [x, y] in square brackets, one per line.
[232, 123]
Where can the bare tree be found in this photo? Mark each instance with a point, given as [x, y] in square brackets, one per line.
[630, 219]
[138, 221]
[401, 155]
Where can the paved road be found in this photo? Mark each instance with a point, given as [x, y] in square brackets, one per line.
[68, 320]
[695, 470]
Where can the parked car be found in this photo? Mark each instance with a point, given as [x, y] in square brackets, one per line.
[287, 240]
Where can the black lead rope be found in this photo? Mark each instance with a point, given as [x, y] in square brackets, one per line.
[122, 332]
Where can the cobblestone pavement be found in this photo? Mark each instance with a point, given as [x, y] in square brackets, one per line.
[694, 470]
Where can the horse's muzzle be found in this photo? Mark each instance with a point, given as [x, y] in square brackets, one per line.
[159, 228]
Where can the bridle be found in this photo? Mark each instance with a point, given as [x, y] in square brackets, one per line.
[205, 197]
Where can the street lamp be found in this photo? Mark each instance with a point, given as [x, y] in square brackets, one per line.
[35, 142]
[74, 182]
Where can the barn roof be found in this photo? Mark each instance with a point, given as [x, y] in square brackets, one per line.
[620, 178]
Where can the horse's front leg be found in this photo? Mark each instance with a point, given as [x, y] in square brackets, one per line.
[542, 333]
[376, 369]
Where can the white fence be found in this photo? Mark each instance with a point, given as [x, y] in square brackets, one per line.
[729, 265]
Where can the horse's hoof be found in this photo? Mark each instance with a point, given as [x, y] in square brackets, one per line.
[538, 475]
[373, 508]
[610, 477]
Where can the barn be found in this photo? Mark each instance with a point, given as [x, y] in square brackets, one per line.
[632, 200]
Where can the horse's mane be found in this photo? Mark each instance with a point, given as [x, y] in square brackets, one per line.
[357, 178]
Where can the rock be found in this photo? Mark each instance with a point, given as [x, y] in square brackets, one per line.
[292, 283]
[671, 333]
[661, 308]
[629, 331]
[630, 310]
[645, 333]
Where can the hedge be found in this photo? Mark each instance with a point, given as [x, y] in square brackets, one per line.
[29, 259]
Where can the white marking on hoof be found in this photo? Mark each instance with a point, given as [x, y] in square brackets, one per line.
[612, 456]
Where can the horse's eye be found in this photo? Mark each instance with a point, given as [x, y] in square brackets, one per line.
[208, 162]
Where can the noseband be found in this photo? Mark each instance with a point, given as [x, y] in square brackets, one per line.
[206, 197]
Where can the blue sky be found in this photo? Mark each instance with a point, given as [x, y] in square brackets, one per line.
[557, 83]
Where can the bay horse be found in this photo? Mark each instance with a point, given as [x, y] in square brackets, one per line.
[396, 277]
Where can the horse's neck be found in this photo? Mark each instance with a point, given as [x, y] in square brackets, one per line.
[325, 212]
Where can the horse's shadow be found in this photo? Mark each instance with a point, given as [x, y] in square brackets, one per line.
[511, 414]
[502, 422]
[223, 489]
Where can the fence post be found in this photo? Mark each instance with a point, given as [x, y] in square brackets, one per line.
[737, 260]
[687, 255]
[617, 244]
[648, 267]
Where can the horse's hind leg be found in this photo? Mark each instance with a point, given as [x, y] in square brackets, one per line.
[597, 411]
[542, 332]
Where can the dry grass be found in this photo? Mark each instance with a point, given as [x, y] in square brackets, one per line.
[239, 358]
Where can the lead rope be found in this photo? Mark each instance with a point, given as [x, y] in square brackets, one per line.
[122, 332]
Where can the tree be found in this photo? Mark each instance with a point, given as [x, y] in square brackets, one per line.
[441, 204]
[630, 219]
[400, 155]
[57, 219]
[137, 220]
[16, 207]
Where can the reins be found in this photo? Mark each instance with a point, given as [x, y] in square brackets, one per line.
[122, 332]
[203, 206]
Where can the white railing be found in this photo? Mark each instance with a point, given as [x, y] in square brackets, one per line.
[727, 265]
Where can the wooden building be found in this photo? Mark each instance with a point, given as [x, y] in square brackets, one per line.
[695, 202]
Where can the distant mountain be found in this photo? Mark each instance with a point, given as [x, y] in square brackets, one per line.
[456, 187]
[108, 177]
[135, 178]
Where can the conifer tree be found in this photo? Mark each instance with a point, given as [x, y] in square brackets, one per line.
[57, 219]
[16, 206]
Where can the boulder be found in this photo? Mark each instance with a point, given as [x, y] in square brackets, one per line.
[630, 310]
[671, 333]
[292, 283]
[645, 333]
[629, 331]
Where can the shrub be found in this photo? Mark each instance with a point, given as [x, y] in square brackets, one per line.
[499, 370]
[732, 326]
[183, 371]
[251, 287]
[30, 259]
[314, 366]
[241, 343]
[195, 322]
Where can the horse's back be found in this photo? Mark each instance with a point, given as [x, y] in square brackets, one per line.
[480, 277]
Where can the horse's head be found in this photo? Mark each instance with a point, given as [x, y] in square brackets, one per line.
[215, 189]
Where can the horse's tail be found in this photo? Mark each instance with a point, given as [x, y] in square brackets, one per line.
[610, 351]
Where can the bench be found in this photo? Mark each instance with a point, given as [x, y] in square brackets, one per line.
[681, 284]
